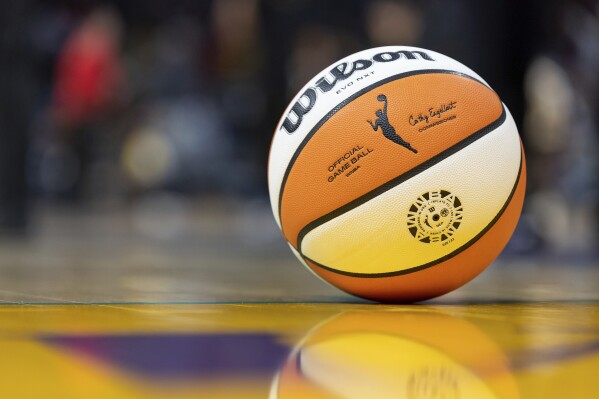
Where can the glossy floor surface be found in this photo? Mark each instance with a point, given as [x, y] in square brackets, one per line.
[92, 306]
[519, 350]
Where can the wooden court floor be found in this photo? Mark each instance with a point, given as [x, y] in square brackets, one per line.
[94, 306]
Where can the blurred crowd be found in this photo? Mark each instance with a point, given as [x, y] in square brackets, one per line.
[109, 102]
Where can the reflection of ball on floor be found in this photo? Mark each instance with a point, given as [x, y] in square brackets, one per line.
[396, 355]
[397, 174]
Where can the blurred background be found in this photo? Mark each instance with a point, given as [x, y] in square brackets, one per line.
[129, 127]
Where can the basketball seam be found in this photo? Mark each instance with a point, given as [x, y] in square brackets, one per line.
[342, 104]
[401, 178]
[441, 259]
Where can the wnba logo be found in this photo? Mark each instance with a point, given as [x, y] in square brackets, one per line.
[389, 132]
[435, 216]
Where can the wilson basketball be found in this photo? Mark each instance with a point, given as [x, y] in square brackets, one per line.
[396, 174]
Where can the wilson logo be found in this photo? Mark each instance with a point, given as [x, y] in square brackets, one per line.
[338, 73]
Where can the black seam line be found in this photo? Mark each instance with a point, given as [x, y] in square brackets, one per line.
[401, 178]
[350, 99]
[440, 260]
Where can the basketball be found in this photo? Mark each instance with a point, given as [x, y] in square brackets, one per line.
[396, 174]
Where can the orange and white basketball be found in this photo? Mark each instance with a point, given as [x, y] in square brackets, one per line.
[397, 174]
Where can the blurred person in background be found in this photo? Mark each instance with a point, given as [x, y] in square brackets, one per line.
[175, 138]
[562, 127]
[18, 87]
[235, 61]
[389, 23]
[88, 87]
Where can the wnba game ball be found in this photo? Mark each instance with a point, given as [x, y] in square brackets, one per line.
[396, 174]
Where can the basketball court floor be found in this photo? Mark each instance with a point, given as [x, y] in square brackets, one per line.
[205, 301]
